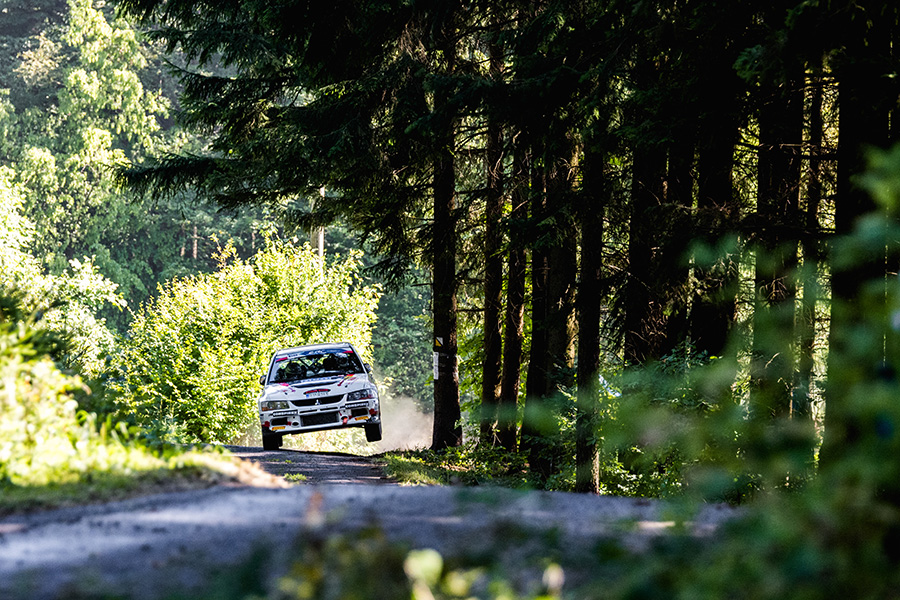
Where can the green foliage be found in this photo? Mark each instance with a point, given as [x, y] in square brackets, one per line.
[102, 115]
[834, 535]
[367, 565]
[467, 465]
[683, 426]
[189, 366]
[651, 467]
[50, 452]
[680, 426]
[80, 92]
[370, 567]
[15, 232]
[402, 344]
[68, 301]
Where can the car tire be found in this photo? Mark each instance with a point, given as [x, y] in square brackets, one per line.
[373, 432]
[272, 441]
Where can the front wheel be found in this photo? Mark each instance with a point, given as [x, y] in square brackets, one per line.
[373, 432]
[272, 441]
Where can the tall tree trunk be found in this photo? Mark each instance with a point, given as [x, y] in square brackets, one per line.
[561, 285]
[514, 337]
[864, 105]
[778, 196]
[537, 424]
[661, 188]
[812, 254]
[590, 295]
[447, 430]
[554, 269]
[672, 265]
[493, 270]
[714, 306]
[642, 310]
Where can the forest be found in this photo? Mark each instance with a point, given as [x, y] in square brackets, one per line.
[594, 188]
[613, 246]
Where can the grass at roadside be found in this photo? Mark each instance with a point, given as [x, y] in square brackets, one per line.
[463, 466]
[150, 474]
[407, 469]
[104, 487]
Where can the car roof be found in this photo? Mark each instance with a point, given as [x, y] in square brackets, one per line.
[324, 346]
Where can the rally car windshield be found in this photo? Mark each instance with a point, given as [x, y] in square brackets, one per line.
[315, 364]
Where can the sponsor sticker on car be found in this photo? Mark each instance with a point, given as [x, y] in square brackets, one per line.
[349, 378]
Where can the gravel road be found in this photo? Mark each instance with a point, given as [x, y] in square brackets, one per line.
[178, 544]
[315, 467]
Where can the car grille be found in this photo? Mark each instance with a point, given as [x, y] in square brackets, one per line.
[314, 401]
[319, 419]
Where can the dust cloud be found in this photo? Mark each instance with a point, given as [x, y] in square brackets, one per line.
[404, 425]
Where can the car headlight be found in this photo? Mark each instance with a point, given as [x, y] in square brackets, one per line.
[273, 405]
[367, 393]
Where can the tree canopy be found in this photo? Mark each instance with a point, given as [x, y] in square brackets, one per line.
[83, 92]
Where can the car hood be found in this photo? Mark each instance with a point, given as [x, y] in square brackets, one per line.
[315, 388]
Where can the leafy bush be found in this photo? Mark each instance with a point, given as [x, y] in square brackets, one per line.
[189, 366]
[50, 452]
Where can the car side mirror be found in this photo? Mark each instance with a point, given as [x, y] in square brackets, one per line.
[262, 380]
[368, 367]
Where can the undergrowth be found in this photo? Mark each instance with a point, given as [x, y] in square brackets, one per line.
[629, 472]
[465, 465]
[54, 454]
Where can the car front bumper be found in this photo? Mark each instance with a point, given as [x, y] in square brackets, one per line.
[301, 420]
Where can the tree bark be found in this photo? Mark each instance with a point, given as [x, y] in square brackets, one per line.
[778, 228]
[561, 286]
[812, 254]
[590, 295]
[537, 424]
[642, 330]
[714, 304]
[554, 269]
[514, 337]
[493, 270]
[677, 215]
[447, 431]
[864, 105]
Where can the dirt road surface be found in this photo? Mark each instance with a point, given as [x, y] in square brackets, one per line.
[315, 467]
[180, 544]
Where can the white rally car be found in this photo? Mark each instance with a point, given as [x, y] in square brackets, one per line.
[311, 388]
